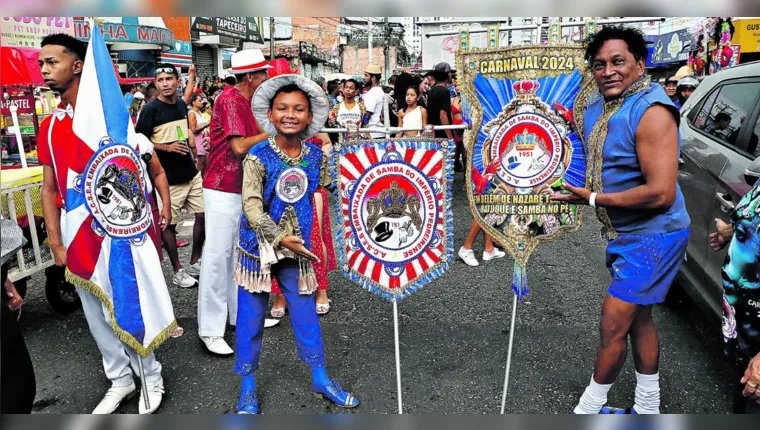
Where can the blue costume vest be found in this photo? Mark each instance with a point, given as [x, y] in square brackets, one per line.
[277, 173]
[611, 153]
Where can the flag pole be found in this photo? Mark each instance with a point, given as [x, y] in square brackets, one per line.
[509, 355]
[398, 357]
[144, 384]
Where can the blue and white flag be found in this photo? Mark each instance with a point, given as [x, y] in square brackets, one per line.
[110, 253]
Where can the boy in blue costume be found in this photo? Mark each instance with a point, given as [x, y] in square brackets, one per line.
[280, 178]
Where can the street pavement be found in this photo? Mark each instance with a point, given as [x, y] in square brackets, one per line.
[453, 335]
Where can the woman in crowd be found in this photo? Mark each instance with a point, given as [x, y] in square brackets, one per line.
[412, 115]
[199, 127]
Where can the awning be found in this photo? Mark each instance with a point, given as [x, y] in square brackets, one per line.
[20, 67]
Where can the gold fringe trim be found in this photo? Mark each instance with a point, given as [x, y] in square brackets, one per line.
[120, 333]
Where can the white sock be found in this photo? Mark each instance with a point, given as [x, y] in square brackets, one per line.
[647, 394]
[593, 398]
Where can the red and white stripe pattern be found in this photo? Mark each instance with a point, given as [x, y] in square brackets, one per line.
[351, 167]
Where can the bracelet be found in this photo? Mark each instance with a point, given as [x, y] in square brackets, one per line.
[592, 200]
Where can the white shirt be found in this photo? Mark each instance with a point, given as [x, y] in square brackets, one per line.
[373, 102]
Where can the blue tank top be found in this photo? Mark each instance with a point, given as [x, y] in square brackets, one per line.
[620, 167]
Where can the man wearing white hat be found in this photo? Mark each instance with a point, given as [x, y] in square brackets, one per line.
[233, 131]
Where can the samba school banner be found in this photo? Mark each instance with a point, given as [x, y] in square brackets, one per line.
[394, 197]
[523, 144]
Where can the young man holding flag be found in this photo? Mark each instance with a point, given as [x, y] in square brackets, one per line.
[94, 202]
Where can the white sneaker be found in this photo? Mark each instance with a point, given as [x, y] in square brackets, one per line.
[155, 395]
[493, 255]
[183, 280]
[194, 270]
[113, 398]
[217, 345]
[468, 256]
[271, 322]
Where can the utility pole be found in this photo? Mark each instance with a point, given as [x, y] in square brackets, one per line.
[386, 47]
[271, 38]
[369, 35]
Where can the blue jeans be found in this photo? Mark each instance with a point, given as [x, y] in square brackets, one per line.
[252, 310]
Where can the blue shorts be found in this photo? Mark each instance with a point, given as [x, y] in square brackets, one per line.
[643, 266]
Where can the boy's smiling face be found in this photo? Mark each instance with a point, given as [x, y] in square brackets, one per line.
[290, 113]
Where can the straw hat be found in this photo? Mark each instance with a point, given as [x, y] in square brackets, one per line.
[320, 106]
[373, 69]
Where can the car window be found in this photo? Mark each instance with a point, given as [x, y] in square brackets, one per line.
[754, 148]
[725, 112]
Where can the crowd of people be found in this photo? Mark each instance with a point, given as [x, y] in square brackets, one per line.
[221, 146]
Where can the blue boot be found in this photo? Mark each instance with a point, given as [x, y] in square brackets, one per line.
[607, 410]
[249, 402]
[333, 392]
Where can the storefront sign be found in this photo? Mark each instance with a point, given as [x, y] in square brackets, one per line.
[130, 33]
[28, 31]
[747, 34]
[238, 27]
[671, 47]
[25, 104]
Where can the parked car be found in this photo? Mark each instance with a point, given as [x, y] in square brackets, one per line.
[720, 160]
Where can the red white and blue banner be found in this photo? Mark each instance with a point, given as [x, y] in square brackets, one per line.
[394, 198]
[108, 213]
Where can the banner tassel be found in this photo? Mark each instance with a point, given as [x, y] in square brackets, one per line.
[520, 281]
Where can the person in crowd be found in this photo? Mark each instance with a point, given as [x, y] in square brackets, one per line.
[631, 130]
[350, 110]
[276, 230]
[374, 99]
[61, 63]
[332, 92]
[233, 132]
[460, 156]
[164, 121]
[741, 284]
[135, 108]
[412, 115]
[685, 89]
[129, 91]
[340, 90]
[439, 101]
[199, 127]
[670, 89]
[19, 385]
[467, 254]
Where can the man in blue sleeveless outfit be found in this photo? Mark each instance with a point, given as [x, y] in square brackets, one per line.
[630, 130]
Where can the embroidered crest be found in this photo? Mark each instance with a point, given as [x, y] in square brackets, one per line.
[292, 185]
[114, 191]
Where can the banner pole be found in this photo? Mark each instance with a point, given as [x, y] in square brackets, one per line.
[144, 384]
[398, 357]
[509, 355]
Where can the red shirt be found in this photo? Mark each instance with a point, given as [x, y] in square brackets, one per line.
[70, 152]
[232, 116]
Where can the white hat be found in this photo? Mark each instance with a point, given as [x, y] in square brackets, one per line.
[139, 96]
[247, 61]
[320, 105]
